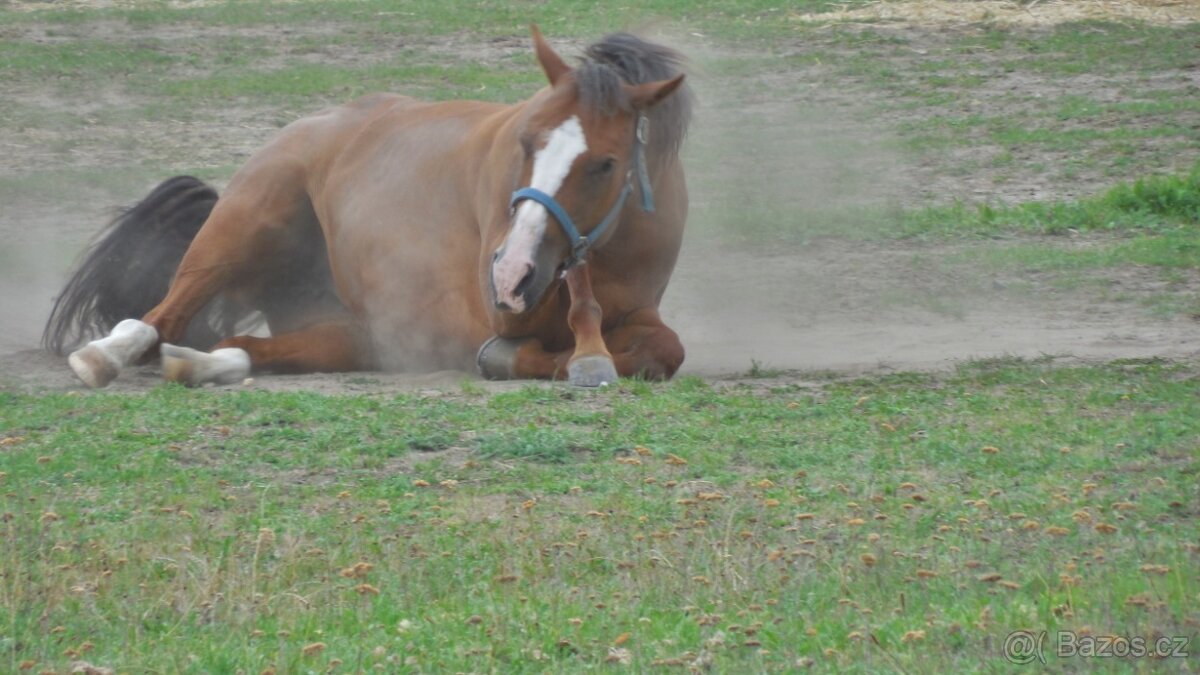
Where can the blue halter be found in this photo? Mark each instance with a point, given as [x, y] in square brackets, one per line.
[580, 243]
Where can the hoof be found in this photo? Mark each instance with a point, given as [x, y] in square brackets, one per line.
[194, 368]
[93, 366]
[592, 371]
[497, 357]
[176, 367]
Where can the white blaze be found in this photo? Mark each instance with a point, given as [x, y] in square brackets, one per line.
[551, 165]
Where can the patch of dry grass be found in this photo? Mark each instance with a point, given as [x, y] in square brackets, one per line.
[1010, 13]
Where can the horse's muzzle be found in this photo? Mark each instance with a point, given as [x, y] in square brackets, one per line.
[518, 282]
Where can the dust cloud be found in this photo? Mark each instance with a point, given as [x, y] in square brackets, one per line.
[779, 270]
[37, 245]
[779, 180]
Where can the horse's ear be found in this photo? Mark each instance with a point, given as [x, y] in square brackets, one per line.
[552, 63]
[646, 95]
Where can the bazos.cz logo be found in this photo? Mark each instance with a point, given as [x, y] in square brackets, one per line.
[1025, 646]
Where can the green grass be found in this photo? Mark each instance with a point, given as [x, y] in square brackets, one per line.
[84, 58]
[1104, 48]
[1082, 108]
[1153, 218]
[1179, 249]
[1140, 230]
[756, 527]
[297, 84]
[1156, 203]
[731, 18]
[935, 132]
[1003, 87]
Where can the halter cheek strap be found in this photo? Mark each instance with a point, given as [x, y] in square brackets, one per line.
[581, 243]
[639, 163]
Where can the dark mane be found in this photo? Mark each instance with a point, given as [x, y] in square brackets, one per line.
[621, 57]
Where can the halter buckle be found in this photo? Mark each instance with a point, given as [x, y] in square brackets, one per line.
[579, 251]
[642, 131]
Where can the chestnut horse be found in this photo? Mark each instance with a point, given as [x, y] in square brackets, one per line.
[400, 234]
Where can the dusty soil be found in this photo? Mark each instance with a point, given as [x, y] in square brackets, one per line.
[826, 304]
[829, 307]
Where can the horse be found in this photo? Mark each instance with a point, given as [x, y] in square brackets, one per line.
[531, 240]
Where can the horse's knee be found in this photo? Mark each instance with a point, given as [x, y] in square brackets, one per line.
[659, 355]
[669, 354]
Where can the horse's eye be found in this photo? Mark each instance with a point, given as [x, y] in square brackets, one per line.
[604, 166]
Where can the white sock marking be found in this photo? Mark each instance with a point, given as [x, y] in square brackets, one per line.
[97, 362]
[222, 366]
[128, 341]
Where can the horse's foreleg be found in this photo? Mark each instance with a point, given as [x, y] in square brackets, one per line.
[642, 345]
[590, 364]
[336, 346]
[645, 346]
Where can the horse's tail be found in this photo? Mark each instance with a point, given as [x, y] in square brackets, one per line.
[127, 269]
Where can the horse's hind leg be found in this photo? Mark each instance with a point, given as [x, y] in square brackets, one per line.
[100, 361]
[334, 346]
[252, 230]
[257, 221]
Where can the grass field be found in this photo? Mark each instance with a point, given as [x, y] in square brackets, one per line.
[899, 523]
[776, 521]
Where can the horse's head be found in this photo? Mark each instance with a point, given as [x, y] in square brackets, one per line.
[582, 152]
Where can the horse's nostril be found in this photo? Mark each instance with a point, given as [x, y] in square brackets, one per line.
[525, 281]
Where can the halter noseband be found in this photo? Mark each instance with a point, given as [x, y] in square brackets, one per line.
[581, 243]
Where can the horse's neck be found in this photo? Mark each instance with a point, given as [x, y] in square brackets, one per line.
[494, 162]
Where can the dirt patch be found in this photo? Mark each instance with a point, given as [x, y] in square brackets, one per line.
[856, 307]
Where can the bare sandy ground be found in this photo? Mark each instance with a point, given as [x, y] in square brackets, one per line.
[831, 306]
